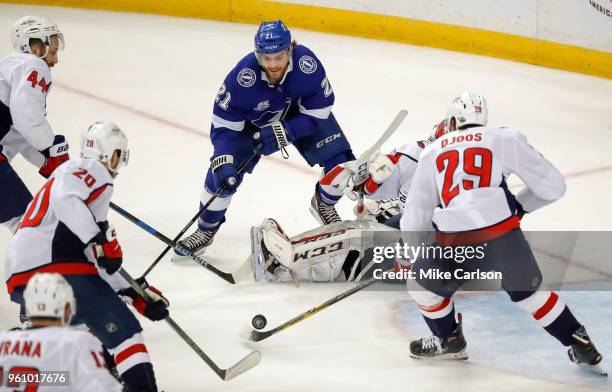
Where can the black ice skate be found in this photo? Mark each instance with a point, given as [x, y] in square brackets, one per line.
[584, 354]
[323, 213]
[432, 347]
[195, 244]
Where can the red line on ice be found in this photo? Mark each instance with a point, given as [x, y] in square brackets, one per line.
[138, 112]
[302, 168]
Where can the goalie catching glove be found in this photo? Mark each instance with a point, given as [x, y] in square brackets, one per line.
[380, 210]
[155, 310]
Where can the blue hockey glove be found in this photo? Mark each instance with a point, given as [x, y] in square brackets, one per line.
[224, 173]
[274, 137]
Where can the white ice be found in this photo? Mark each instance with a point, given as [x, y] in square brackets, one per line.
[157, 78]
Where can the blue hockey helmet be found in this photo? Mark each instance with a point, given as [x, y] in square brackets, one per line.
[272, 37]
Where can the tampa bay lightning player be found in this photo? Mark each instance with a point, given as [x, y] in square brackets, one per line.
[282, 92]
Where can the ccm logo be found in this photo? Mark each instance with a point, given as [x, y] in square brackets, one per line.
[310, 253]
[362, 173]
[62, 148]
[328, 139]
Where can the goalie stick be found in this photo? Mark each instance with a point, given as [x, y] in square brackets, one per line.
[245, 364]
[359, 167]
[362, 162]
[228, 277]
[256, 336]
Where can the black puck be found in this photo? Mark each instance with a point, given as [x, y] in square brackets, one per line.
[259, 322]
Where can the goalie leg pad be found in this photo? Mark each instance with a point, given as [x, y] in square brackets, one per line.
[317, 255]
[276, 241]
[266, 266]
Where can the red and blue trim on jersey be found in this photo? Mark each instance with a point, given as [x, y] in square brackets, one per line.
[480, 235]
[70, 268]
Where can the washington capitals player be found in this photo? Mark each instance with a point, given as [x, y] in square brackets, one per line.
[50, 346]
[25, 80]
[280, 92]
[65, 230]
[460, 186]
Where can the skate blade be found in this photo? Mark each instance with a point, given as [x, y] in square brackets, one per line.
[316, 215]
[597, 369]
[176, 258]
[459, 356]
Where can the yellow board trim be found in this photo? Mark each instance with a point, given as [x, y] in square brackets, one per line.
[361, 24]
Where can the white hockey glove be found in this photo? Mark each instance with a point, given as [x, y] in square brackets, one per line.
[380, 210]
[375, 171]
[380, 168]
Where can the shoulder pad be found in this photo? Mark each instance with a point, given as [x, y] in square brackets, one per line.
[245, 73]
[305, 60]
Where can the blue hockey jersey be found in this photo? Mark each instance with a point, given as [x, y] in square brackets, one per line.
[246, 102]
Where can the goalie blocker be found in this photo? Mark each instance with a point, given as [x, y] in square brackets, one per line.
[334, 252]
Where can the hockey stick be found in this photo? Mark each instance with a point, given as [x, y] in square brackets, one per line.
[208, 203]
[240, 367]
[256, 336]
[359, 167]
[228, 277]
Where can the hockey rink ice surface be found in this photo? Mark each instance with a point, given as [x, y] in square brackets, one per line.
[156, 77]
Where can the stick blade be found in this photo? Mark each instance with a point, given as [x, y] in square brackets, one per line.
[244, 272]
[252, 335]
[257, 336]
[244, 365]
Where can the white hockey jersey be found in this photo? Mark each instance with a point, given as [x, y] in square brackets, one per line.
[59, 223]
[398, 183]
[460, 182]
[44, 352]
[24, 84]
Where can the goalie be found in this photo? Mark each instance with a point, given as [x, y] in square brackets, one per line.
[341, 251]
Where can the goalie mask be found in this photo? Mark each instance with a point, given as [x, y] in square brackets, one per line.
[107, 143]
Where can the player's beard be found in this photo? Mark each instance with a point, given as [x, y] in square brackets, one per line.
[276, 76]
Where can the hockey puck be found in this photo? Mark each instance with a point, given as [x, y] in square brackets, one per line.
[259, 322]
